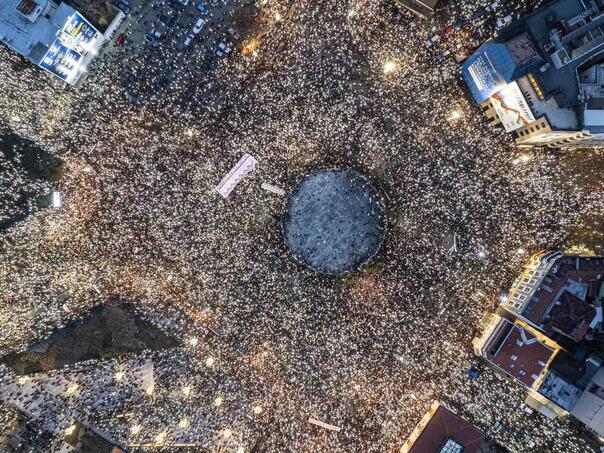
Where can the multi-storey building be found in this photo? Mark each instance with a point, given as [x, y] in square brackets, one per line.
[547, 336]
[542, 77]
[52, 36]
[443, 431]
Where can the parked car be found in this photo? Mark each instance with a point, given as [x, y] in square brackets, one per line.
[214, 2]
[151, 40]
[492, 7]
[502, 22]
[157, 34]
[183, 2]
[189, 40]
[202, 9]
[122, 5]
[433, 40]
[231, 31]
[199, 25]
[222, 49]
[120, 39]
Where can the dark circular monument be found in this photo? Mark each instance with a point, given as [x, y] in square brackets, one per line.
[334, 221]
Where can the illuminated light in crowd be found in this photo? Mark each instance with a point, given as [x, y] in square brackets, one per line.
[71, 429]
[482, 254]
[183, 423]
[522, 159]
[218, 401]
[389, 67]
[193, 341]
[72, 389]
[135, 429]
[187, 390]
[278, 16]
[227, 433]
[209, 362]
[161, 438]
[455, 115]
[503, 297]
[257, 410]
[119, 375]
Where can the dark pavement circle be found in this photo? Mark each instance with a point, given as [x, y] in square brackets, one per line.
[334, 221]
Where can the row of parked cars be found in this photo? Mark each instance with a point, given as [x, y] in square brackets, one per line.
[196, 30]
[186, 2]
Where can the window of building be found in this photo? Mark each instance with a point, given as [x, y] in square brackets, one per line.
[451, 446]
[26, 7]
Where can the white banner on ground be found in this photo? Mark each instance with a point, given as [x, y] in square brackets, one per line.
[245, 165]
[324, 425]
[273, 189]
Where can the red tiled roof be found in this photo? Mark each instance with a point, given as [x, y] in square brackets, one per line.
[517, 351]
[444, 425]
[571, 316]
[590, 272]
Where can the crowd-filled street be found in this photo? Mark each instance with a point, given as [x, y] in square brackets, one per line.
[266, 343]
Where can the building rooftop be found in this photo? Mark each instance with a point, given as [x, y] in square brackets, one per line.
[570, 316]
[517, 351]
[53, 36]
[561, 34]
[443, 431]
[563, 302]
[554, 45]
[32, 39]
[558, 293]
[559, 390]
[589, 409]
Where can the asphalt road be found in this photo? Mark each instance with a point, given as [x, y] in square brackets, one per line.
[160, 63]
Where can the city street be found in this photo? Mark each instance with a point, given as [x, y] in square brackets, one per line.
[157, 212]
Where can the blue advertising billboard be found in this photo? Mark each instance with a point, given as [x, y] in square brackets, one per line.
[79, 29]
[61, 61]
[488, 70]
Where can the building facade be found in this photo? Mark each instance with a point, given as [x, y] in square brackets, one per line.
[542, 77]
[53, 36]
[547, 335]
[443, 431]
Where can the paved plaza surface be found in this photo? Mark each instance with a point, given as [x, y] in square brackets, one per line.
[334, 221]
[264, 343]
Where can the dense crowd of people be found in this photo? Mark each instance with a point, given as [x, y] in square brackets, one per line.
[267, 343]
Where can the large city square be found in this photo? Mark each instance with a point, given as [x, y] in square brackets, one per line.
[261, 342]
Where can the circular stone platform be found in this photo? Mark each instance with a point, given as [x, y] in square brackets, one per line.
[334, 221]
